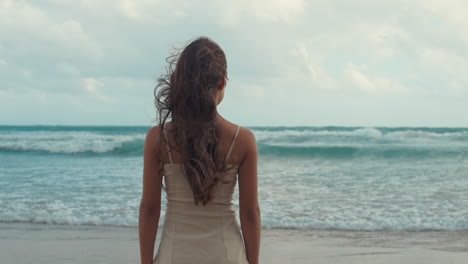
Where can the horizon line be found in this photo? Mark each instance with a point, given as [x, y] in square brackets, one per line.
[253, 126]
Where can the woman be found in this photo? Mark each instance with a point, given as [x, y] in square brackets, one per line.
[200, 155]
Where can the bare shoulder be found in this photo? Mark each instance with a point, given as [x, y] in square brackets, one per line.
[152, 137]
[247, 142]
[246, 136]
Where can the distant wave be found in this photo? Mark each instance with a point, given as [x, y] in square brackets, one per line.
[344, 151]
[73, 143]
[369, 133]
[363, 142]
[306, 142]
[135, 147]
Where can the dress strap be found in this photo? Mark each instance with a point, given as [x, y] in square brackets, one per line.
[232, 144]
[167, 145]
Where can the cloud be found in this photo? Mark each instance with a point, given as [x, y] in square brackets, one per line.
[159, 12]
[372, 83]
[45, 34]
[251, 90]
[68, 69]
[94, 88]
[312, 68]
[130, 9]
[273, 10]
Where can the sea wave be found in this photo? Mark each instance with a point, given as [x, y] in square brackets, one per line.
[306, 142]
[72, 143]
[369, 133]
[355, 151]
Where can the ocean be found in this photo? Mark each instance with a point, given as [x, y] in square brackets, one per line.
[340, 178]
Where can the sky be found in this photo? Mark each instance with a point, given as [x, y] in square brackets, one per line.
[290, 62]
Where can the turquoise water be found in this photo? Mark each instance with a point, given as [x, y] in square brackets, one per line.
[358, 178]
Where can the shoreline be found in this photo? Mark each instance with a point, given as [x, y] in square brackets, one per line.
[42, 243]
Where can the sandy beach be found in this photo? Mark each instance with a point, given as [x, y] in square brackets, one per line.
[22, 243]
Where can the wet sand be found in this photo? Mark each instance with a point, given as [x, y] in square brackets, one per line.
[39, 243]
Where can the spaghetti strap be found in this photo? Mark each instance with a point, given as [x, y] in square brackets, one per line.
[167, 145]
[232, 144]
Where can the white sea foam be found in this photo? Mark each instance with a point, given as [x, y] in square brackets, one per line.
[66, 142]
[271, 135]
[70, 142]
[361, 135]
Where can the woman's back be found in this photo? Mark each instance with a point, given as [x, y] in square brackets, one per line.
[196, 233]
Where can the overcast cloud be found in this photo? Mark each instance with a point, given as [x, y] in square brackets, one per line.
[290, 62]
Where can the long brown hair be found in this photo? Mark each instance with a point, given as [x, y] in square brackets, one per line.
[186, 96]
